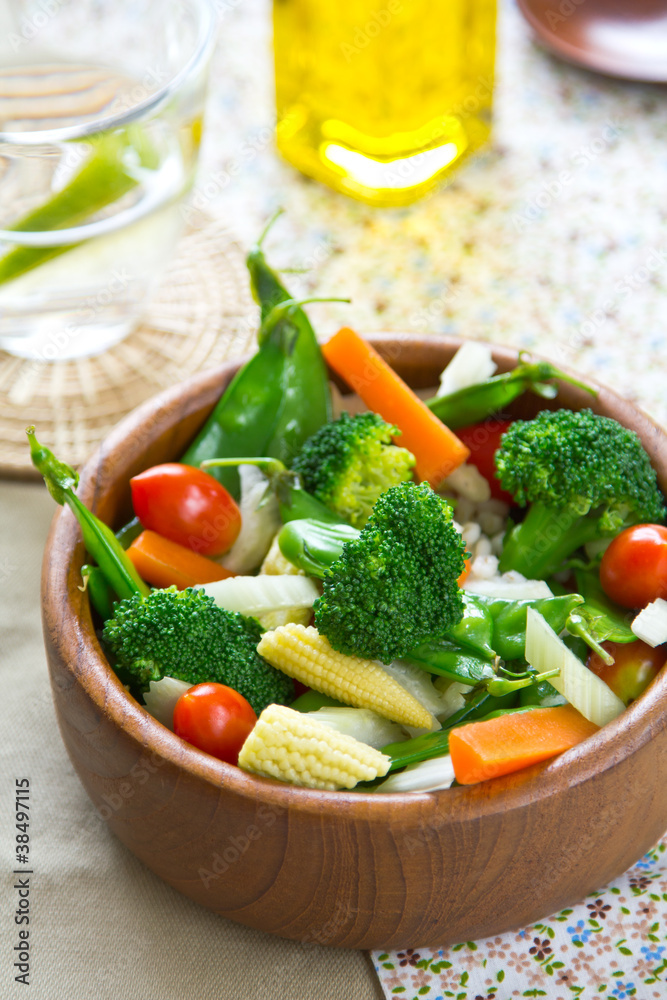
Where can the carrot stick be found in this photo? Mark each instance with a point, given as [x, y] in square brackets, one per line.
[164, 563]
[437, 450]
[487, 749]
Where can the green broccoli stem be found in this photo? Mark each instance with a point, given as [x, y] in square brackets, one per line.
[100, 541]
[294, 502]
[538, 546]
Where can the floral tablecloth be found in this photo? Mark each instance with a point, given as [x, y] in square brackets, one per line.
[612, 945]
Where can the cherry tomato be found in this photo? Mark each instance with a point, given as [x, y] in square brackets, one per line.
[187, 506]
[214, 718]
[483, 441]
[635, 665]
[633, 571]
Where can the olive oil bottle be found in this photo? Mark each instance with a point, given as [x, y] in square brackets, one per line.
[381, 98]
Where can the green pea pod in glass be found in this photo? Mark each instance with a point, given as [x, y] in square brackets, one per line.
[112, 169]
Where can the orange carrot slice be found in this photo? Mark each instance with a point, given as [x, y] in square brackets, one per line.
[437, 450]
[164, 563]
[482, 750]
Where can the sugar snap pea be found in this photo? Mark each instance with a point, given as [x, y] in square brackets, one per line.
[465, 652]
[244, 418]
[266, 287]
[509, 620]
[267, 408]
[476, 402]
[307, 403]
[450, 660]
[99, 539]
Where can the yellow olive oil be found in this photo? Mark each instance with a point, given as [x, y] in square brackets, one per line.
[381, 98]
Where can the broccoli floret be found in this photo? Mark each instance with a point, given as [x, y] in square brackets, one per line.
[184, 634]
[349, 462]
[584, 476]
[397, 583]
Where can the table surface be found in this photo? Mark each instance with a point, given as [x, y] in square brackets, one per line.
[552, 240]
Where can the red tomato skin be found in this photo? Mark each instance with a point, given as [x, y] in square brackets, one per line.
[633, 571]
[635, 665]
[188, 506]
[214, 718]
[483, 440]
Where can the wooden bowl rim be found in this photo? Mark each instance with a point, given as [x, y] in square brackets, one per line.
[614, 743]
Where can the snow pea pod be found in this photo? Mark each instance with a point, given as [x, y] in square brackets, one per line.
[99, 539]
[509, 620]
[494, 395]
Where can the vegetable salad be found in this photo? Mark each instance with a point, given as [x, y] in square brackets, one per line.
[413, 593]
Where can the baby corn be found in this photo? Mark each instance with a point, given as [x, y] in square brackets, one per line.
[302, 653]
[292, 747]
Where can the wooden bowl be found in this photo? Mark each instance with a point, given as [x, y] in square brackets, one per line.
[342, 868]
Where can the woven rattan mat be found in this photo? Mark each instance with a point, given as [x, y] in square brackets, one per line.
[201, 314]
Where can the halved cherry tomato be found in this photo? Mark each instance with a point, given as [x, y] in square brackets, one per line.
[483, 441]
[634, 667]
[633, 571]
[188, 506]
[214, 718]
